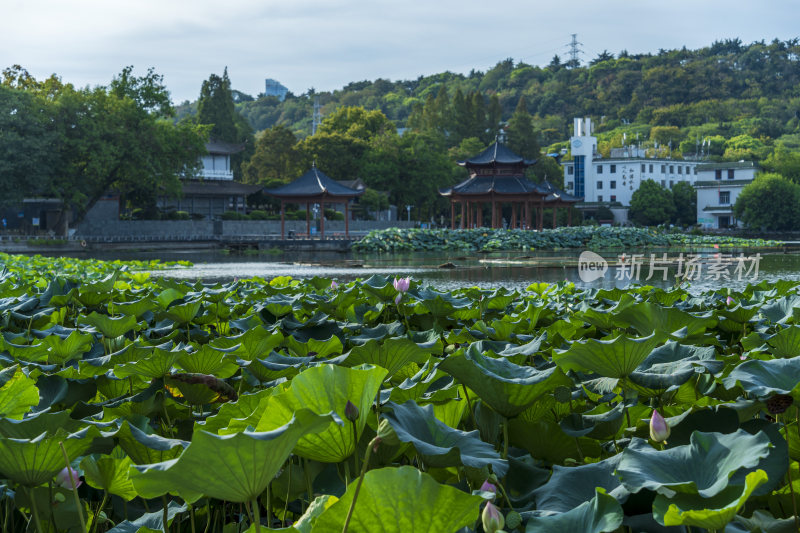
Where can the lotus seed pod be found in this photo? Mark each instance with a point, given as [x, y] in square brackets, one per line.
[513, 520]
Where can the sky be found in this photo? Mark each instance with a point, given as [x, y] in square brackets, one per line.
[326, 44]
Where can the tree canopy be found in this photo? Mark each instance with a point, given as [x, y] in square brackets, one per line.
[651, 204]
[770, 203]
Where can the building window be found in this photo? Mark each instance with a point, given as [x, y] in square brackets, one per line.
[651, 168]
[672, 169]
[613, 184]
[730, 173]
[695, 171]
[570, 170]
[718, 174]
[599, 184]
[599, 197]
[688, 170]
[642, 167]
[671, 183]
[569, 185]
[599, 169]
[613, 197]
[724, 197]
[663, 183]
[680, 170]
[663, 169]
[613, 169]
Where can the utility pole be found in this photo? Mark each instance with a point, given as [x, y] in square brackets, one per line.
[316, 119]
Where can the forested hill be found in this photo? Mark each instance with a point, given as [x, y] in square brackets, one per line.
[725, 82]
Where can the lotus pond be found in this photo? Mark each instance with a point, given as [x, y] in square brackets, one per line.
[135, 403]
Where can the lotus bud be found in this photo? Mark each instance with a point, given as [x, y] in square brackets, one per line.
[659, 429]
[488, 487]
[398, 298]
[729, 301]
[351, 411]
[62, 478]
[334, 285]
[492, 518]
[386, 433]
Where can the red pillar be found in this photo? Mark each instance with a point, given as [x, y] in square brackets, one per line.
[283, 222]
[494, 214]
[569, 216]
[452, 214]
[308, 219]
[322, 221]
[346, 220]
[555, 210]
[462, 214]
[513, 224]
[540, 214]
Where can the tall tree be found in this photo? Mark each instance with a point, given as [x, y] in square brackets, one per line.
[685, 199]
[522, 136]
[770, 203]
[276, 158]
[651, 204]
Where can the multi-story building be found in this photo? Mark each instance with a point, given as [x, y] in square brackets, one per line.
[718, 185]
[275, 88]
[611, 181]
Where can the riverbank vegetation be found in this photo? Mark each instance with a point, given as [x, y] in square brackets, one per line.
[593, 237]
[129, 401]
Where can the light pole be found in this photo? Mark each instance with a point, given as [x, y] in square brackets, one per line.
[408, 210]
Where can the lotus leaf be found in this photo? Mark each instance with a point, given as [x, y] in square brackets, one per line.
[110, 474]
[18, 395]
[391, 354]
[616, 358]
[600, 514]
[400, 500]
[766, 378]
[569, 487]
[109, 327]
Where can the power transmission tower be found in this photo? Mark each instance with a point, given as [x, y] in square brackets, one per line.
[574, 52]
[316, 119]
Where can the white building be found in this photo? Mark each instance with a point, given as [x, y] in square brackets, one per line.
[611, 181]
[718, 185]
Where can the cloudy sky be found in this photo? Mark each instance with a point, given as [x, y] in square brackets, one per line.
[327, 43]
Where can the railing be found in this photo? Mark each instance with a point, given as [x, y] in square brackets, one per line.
[217, 174]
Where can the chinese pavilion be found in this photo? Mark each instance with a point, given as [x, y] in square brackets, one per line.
[497, 178]
[314, 187]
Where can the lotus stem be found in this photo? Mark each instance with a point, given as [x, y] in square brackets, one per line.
[74, 488]
[191, 517]
[257, 515]
[309, 484]
[269, 504]
[789, 475]
[469, 406]
[34, 511]
[99, 509]
[288, 491]
[373, 443]
[505, 438]
[165, 511]
[355, 445]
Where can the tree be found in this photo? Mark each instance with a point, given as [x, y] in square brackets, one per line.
[651, 204]
[276, 158]
[602, 56]
[685, 198]
[783, 161]
[521, 134]
[770, 203]
[337, 155]
[357, 122]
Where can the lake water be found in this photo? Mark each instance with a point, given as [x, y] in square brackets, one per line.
[712, 268]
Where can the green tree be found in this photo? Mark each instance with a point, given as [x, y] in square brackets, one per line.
[337, 155]
[522, 137]
[783, 161]
[276, 158]
[770, 203]
[685, 198]
[651, 204]
[357, 122]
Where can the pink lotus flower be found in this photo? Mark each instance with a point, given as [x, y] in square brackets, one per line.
[743, 357]
[492, 518]
[62, 478]
[488, 487]
[729, 301]
[334, 285]
[401, 286]
[716, 246]
[659, 429]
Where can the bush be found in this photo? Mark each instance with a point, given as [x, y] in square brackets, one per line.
[332, 214]
[770, 203]
[258, 214]
[233, 215]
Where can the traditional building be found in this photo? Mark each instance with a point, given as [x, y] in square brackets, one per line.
[213, 192]
[611, 182]
[718, 185]
[497, 178]
[314, 187]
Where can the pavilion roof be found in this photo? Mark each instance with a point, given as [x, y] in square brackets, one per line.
[505, 185]
[214, 146]
[497, 154]
[312, 184]
[557, 195]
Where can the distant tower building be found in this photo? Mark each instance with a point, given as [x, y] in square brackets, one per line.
[275, 88]
[316, 119]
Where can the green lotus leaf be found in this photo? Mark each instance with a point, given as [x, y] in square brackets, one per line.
[545, 440]
[450, 412]
[761, 521]
[507, 388]
[254, 343]
[145, 448]
[616, 358]
[600, 514]
[379, 286]
[109, 474]
[782, 309]
[109, 327]
[18, 395]
[33, 353]
[135, 308]
[31, 462]
[712, 513]
[672, 365]
[600, 422]
[765, 378]
[182, 313]
[379, 332]
[569, 487]
[704, 466]
[156, 365]
[786, 342]
[316, 347]
[648, 318]
[235, 468]
[62, 350]
[439, 444]
[150, 522]
[325, 389]
[245, 406]
[208, 360]
[391, 354]
[401, 500]
[276, 366]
